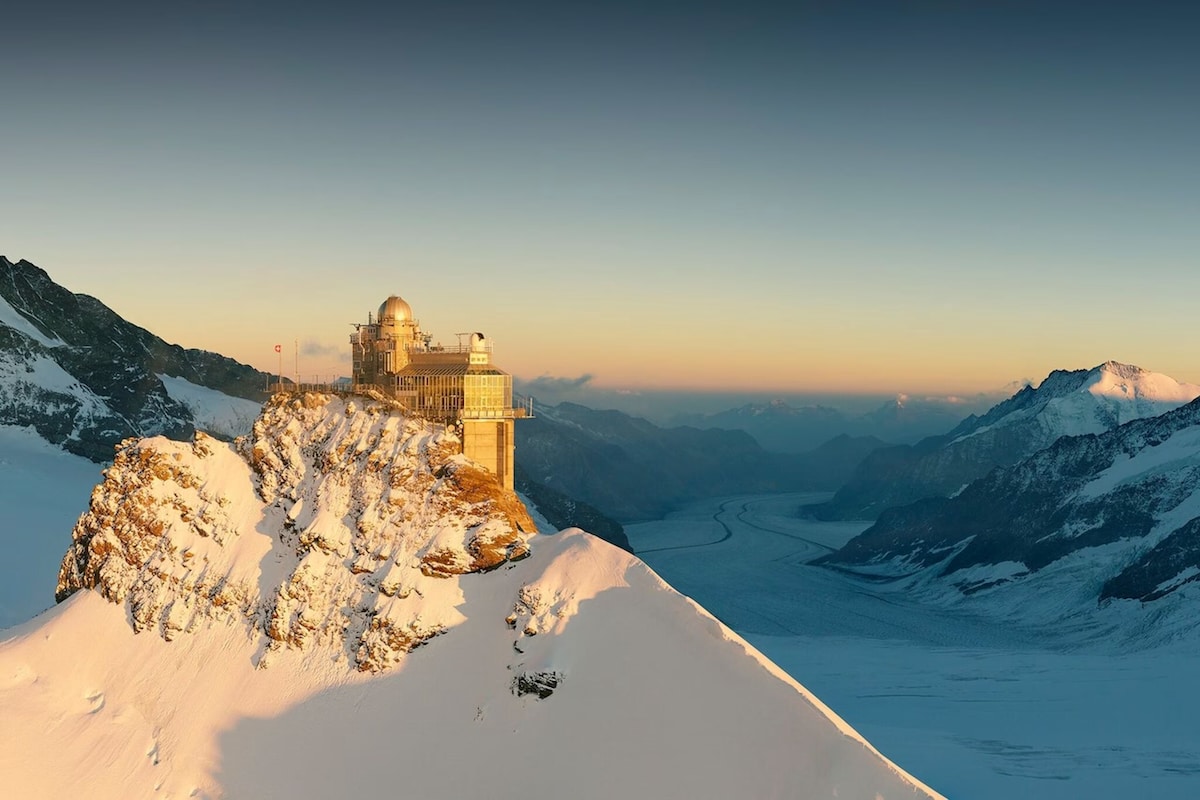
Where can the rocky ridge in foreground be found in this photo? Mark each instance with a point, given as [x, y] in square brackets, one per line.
[362, 511]
[320, 608]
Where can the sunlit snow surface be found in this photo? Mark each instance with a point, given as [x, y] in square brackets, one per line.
[1112, 395]
[213, 411]
[658, 700]
[650, 696]
[975, 704]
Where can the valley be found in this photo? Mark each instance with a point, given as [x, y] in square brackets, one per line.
[979, 706]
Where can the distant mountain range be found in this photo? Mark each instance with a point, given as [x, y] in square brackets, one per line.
[783, 428]
[1093, 518]
[1066, 403]
[85, 378]
[631, 469]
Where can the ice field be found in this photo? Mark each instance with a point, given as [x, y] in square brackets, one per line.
[973, 707]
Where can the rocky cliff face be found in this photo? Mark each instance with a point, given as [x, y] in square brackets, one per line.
[336, 523]
[1124, 506]
[85, 379]
[1067, 403]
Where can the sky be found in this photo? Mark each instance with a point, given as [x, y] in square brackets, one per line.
[839, 197]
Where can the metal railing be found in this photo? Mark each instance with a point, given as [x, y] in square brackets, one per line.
[376, 392]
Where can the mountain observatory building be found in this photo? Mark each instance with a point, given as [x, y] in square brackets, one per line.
[457, 385]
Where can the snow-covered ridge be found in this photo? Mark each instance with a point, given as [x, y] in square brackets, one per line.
[335, 522]
[1126, 382]
[11, 318]
[1078, 403]
[327, 545]
[35, 389]
[1066, 403]
[212, 411]
[1095, 536]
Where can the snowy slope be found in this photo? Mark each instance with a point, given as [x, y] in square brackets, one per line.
[36, 391]
[338, 606]
[1078, 403]
[1067, 403]
[212, 411]
[9, 317]
[43, 490]
[1097, 536]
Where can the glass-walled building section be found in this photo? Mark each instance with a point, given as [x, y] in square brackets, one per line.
[436, 394]
[487, 395]
[454, 391]
[457, 385]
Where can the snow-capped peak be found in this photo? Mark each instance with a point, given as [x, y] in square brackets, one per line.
[1128, 382]
[1078, 402]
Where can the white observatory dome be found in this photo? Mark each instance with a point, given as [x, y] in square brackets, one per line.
[394, 309]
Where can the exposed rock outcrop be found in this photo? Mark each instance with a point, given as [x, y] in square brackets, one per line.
[354, 516]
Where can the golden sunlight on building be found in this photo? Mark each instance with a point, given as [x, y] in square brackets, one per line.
[455, 384]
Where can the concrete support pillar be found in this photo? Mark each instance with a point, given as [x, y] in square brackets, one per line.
[489, 443]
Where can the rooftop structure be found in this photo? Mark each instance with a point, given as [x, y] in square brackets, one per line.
[455, 384]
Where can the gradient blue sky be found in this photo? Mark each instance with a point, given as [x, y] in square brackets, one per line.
[806, 197]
